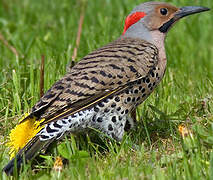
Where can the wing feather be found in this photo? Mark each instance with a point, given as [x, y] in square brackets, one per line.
[98, 75]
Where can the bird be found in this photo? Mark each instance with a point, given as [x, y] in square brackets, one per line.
[104, 87]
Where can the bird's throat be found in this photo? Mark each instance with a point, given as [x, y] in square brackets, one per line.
[158, 39]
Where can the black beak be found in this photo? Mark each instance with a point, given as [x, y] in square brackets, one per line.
[182, 12]
[188, 10]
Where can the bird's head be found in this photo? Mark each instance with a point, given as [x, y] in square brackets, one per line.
[155, 16]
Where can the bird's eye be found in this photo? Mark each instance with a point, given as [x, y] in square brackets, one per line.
[164, 11]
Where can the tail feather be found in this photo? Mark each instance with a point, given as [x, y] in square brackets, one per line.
[27, 153]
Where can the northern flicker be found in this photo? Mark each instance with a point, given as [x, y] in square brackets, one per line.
[102, 89]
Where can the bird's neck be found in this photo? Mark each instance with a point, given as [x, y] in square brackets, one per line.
[155, 37]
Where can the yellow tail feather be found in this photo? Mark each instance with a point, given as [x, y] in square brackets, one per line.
[23, 133]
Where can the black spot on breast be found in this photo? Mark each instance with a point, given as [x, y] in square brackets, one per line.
[143, 90]
[144, 79]
[114, 119]
[99, 119]
[110, 97]
[93, 118]
[128, 99]
[96, 109]
[152, 74]
[136, 91]
[147, 80]
[127, 91]
[119, 108]
[117, 99]
[106, 100]
[101, 104]
[110, 128]
[113, 105]
[106, 110]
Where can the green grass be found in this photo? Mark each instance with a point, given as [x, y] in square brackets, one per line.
[155, 149]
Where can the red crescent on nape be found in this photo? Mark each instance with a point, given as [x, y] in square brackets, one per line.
[132, 19]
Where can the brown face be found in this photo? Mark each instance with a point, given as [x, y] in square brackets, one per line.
[165, 15]
[161, 15]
